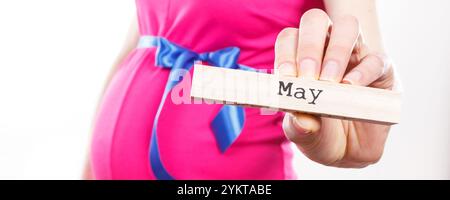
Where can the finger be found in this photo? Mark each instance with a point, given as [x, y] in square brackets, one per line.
[313, 32]
[285, 56]
[344, 35]
[312, 35]
[301, 128]
[320, 142]
[285, 52]
[371, 68]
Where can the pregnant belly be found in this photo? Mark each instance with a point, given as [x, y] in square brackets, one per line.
[187, 144]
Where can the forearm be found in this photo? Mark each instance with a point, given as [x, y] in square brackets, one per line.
[129, 44]
[366, 13]
[87, 172]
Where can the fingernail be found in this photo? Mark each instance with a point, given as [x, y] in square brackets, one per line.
[353, 78]
[287, 69]
[330, 71]
[308, 68]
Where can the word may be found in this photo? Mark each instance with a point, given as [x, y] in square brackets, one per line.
[299, 93]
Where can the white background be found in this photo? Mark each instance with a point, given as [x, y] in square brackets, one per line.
[55, 56]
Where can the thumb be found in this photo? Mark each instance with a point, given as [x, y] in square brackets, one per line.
[301, 128]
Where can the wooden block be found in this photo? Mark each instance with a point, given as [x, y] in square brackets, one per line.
[230, 86]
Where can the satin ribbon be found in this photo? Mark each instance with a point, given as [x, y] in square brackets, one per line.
[228, 123]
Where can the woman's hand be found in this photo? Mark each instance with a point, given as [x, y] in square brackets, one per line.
[333, 51]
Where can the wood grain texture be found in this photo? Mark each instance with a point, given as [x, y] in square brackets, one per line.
[230, 86]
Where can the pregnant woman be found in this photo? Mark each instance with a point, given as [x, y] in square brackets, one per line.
[142, 133]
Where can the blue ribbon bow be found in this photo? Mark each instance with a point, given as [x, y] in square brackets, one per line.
[228, 123]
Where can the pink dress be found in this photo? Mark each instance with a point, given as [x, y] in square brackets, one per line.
[187, 146]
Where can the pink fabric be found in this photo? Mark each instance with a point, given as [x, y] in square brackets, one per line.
[187, 144]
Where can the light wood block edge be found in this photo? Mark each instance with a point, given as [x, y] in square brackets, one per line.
[343, 101]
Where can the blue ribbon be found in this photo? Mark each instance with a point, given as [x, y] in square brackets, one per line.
[228, 123]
